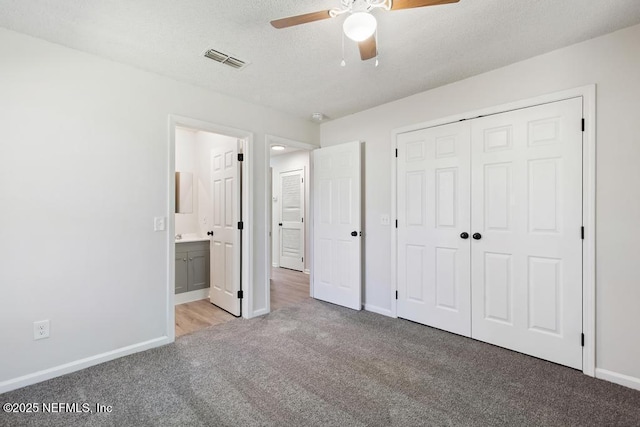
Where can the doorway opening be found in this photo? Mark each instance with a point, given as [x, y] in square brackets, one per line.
[289, 230]
[209, 244]
[334, 241]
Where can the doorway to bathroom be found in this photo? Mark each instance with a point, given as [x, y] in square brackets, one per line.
[211, 242]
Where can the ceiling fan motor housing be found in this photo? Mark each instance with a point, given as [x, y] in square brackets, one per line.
[364, 5]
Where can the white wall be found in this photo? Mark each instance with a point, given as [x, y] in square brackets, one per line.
[84, 167]
[613, 63]
[284, 163]
[186, 162]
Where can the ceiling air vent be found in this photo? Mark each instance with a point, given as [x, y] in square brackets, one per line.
[225, 59]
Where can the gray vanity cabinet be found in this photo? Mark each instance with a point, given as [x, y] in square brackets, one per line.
[198, 270]
[192, 266]
[181, 271]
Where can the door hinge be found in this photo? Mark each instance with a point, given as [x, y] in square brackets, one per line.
[302, 259]
[582, 340]
[583, 125]
[240, 157]
[396, 223]
[240, 225]
[396, 152]
[240, 295]
[302, 180]
[582, 232]
[302, 219]
[396, 294]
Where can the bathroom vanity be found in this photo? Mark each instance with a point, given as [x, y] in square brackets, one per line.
[192, 265]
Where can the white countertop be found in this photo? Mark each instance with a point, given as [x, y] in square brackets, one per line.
[187, 239]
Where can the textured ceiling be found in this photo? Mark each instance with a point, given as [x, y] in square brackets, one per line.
[297, 70]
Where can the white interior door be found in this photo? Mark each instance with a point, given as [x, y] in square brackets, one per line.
[527, 211]
[225, 242]
[337, 221]
[292, 219]
[433, 212]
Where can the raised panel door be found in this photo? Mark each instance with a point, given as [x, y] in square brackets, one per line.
[337, 226]
[433, 211]
[225, 243]
[527, 207]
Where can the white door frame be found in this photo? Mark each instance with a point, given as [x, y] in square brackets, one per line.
[247, 212]
[588, 94]
[269, 140]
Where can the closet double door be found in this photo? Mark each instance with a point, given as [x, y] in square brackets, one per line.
[489, 229]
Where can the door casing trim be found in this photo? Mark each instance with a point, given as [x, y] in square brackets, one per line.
[247, 212]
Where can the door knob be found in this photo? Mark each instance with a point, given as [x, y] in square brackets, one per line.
[209, 233]
[354, 233]
[477, 236]
[464, 235]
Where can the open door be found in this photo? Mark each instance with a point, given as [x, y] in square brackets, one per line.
[225, 242]
[337, 221]
[292, 219]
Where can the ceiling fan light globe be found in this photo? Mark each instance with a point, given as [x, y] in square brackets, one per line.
[359, 26]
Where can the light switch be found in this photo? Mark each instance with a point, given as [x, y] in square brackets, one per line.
[158, 223]
[384, 219]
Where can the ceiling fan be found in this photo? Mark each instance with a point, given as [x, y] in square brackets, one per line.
[360, 26]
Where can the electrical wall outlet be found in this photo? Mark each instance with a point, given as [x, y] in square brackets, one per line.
[41, 329]
[384, 219]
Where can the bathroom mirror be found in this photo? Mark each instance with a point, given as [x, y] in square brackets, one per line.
[184, 192]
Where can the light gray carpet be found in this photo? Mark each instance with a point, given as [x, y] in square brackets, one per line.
[319, 364]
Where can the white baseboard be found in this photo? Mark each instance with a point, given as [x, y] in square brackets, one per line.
[275, 265]
[77, 365]
[260, 312]
[614, 377]
[185, 297]
[374, 309]
[307, 271]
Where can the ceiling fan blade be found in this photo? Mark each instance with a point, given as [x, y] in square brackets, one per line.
[368, 48]
[409, 4]
[301, 19]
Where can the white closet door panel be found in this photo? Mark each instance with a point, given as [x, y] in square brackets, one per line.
[433, 210]
[527, 205]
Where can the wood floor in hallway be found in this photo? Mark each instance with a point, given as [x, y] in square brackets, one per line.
[288, 287]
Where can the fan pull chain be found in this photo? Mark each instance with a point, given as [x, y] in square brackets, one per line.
[343, 63]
